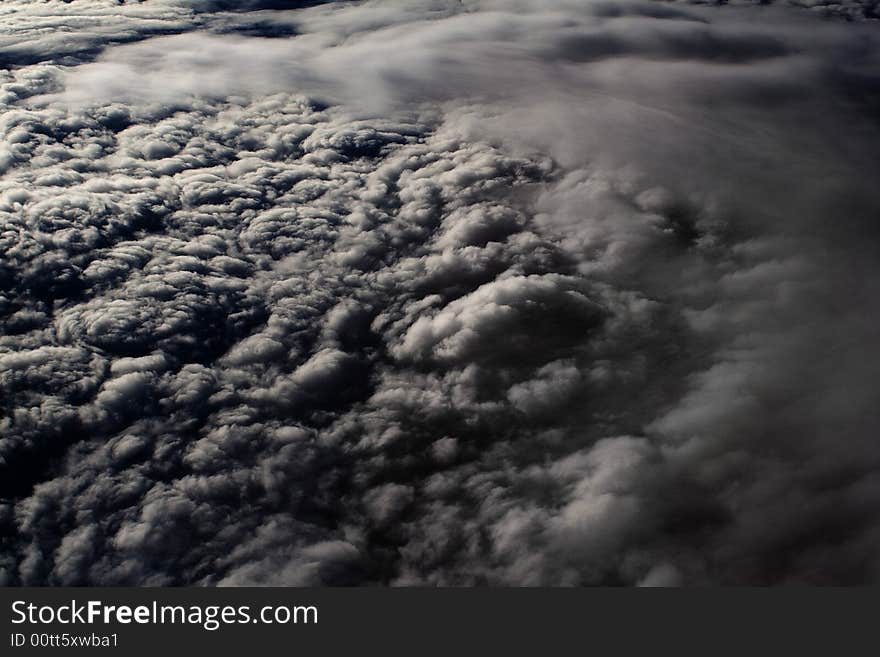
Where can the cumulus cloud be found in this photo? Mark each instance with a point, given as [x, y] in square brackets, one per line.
[560, 293]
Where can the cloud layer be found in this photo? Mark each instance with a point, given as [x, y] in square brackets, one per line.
[507, 293]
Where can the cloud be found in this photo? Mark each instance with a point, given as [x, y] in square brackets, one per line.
[545, 293]
[75, 30]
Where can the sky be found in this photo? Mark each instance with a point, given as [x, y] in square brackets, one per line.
[429, 293]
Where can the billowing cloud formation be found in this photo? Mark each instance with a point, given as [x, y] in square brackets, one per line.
[547, 292]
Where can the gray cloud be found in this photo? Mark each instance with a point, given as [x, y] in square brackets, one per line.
[512, 293]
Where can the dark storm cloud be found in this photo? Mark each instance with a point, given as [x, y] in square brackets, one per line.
[591, 303]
